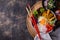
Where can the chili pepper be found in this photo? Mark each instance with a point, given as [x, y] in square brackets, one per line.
[35, 26]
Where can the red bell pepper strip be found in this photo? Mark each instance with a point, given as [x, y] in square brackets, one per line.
[49, 28]
[35, 26]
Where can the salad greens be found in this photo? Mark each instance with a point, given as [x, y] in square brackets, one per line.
[51, 4]
[35, 13]
[42, 9]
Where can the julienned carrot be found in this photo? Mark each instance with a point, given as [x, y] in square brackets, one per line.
[35, 26]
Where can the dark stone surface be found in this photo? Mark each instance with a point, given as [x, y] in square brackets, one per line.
[13, 19]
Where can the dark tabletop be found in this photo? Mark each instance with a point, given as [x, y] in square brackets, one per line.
[13, 19]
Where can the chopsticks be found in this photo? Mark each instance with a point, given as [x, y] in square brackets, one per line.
[28, 9]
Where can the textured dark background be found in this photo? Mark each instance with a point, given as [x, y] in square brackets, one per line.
[13, 19]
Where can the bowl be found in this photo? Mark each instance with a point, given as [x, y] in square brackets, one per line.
[30, 27]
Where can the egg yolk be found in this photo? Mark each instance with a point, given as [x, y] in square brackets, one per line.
[43, 21]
